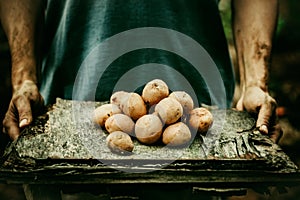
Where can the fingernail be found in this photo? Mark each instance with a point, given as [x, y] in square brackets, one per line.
[23, 123]
[263, 129]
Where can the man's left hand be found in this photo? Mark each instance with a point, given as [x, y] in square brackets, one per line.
[255, 100]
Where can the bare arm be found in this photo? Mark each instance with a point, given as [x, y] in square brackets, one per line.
[254, 23]
[20, 19]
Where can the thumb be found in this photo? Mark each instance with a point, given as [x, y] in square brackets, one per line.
[265, 115]
[25, 114]
[240, 106]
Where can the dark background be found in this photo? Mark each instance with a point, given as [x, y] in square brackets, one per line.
[284, 87]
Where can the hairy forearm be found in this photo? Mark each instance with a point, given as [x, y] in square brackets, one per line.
[20, 19]
[254, 22]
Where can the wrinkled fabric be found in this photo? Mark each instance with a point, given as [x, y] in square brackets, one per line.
[89, 43]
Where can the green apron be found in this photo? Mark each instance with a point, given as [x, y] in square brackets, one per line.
[95, 47]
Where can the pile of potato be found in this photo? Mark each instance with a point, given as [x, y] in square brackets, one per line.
[155, 116]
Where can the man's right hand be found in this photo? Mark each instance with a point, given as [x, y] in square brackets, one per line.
[22, 22]
[25, 103]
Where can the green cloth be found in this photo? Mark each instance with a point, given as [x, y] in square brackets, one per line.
[77, 29]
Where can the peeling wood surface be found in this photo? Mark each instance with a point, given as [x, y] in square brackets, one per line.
[64, 146]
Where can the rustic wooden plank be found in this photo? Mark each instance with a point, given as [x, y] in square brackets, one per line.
[208, 179]
[65, 147]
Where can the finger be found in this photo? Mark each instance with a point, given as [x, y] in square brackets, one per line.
[11, 126]
[13, 132]
[266, 112]
[276, 133]
[239, 105]
[23, 107]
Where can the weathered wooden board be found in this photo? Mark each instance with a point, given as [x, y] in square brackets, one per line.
[65, 146]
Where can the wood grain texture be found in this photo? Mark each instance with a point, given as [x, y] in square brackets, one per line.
[65, 147]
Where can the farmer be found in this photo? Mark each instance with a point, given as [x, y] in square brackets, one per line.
[57, 45]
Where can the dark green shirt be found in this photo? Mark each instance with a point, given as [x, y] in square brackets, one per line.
[95, 47]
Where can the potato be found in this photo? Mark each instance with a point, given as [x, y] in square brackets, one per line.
[119, 142]
[103, 112]
[154, 91]
[148, 129]
[200, 119]
[169, 110]
[133, 106]
[176, 134]
[119, 122]
[184, 99]
[117, 97]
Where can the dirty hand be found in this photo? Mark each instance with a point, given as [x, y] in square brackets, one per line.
[255, 100]
[26, 101]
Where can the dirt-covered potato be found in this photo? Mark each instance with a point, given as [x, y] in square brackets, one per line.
[119, 142]
[133, 106]
[117, 97]
[176, 134]
[148, 129]
[200, 119]
[102, 113]
[119, 122]
[184, 99]
[169, 110]
[154, 91]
